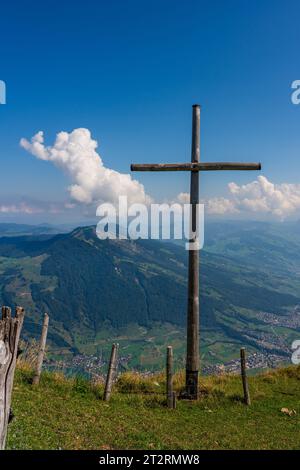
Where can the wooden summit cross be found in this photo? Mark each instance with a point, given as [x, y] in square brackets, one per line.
[192, 355]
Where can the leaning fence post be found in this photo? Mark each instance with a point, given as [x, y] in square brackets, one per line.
[169, 371]
[10, 329]
[247, 399]
[112, 369]
[40, 358]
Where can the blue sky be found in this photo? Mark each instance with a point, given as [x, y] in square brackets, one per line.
[130, 72]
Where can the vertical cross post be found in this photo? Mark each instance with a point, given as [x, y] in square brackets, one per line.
[192, 356]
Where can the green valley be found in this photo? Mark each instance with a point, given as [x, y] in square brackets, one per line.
[134, 292]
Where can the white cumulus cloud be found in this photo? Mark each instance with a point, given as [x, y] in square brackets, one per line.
[220, 206]
[92, 182]
[261, 196]
[183, 198]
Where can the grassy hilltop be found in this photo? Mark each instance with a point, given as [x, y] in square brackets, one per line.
[69, 413]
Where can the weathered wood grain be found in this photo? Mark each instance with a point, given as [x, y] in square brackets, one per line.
[195, 166]
[247, 399]
[112, 371]
[42, 346]
[10, 329]
[169, 373]
[192, 346]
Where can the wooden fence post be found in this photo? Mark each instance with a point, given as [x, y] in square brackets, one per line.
[247, 399]
[10, 329]
[40, 358]
[112, 370]
[169, 370]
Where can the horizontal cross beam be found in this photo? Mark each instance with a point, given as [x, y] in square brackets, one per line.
[194, 166]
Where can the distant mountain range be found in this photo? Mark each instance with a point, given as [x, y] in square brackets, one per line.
[12, 229]
[135, 291]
